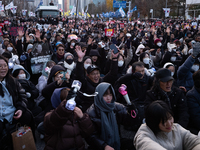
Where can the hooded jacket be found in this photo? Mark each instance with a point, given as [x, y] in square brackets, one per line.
[52, 85]
[95, 140]
[64, 130]
[29, 87]
[19, 67]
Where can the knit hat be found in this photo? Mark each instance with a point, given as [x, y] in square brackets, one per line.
[32, 35]
[68, 54]
[30, 46]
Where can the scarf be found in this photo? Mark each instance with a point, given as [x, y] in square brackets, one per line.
[109, 127]
[166, 95]
[59, 57]
[68, 66]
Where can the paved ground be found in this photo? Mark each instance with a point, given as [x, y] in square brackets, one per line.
[40, 144]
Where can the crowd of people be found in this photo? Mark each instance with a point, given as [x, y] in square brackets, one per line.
[157, 64]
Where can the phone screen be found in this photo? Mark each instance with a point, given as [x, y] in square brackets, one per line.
[113, 47]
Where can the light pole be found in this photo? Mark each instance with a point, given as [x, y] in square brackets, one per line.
[76, 13]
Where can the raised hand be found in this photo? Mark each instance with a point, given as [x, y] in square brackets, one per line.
[80, 53]
[20, 32]
[37, 34]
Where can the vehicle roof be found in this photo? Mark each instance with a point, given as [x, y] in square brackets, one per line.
[48, 8]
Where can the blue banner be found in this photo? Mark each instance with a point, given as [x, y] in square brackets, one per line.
[118, 4]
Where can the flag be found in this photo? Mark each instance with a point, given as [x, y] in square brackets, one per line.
[2, 8]
[40, 4]
[88, 15]
[134, 9]
[13, 9]
[83, 13]
[138, 14]
[167, 11]
[24, 12]
[101, 15]
[97, 15]
[9, 6]
[86, 9]
[122, 12]
[73, 10]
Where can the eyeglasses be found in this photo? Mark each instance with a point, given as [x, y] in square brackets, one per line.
[3, 66]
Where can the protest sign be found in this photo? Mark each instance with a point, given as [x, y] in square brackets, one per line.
[41, 54]
[159, 23]
[121, 25]
[109, 32]
[13, 30]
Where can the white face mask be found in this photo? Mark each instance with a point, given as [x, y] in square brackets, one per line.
[146, 60]
[195, 68]
[68, 40]
[174, 49]
[86, 66]
[173, 59]
[120, 63]
[72, 44]
[9, 49]
[22, 76]
[172, 74]
[159, 44]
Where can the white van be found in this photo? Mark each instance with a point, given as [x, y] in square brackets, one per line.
[44, 11]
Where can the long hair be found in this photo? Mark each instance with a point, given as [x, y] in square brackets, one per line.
[157, 112]
[10, 83]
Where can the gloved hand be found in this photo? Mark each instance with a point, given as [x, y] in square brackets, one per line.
[132, 110]
[196, 49]
[28, 95]
[137, 75]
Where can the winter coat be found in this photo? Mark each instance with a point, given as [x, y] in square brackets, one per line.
[136, 88]
[184, 74]
[178, 139]
[177, 103]
[121, 116]
[64, 130]
[193, 100]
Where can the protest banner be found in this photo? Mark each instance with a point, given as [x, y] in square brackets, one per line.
[13, 30]
[109, 32]
[121, 25]
[158, 23]
[41, 54]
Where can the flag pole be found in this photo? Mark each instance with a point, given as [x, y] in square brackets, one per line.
[76, 13]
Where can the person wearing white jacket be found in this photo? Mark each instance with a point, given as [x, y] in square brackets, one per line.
[161, 133]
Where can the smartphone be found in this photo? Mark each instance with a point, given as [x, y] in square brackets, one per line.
[113, 47]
